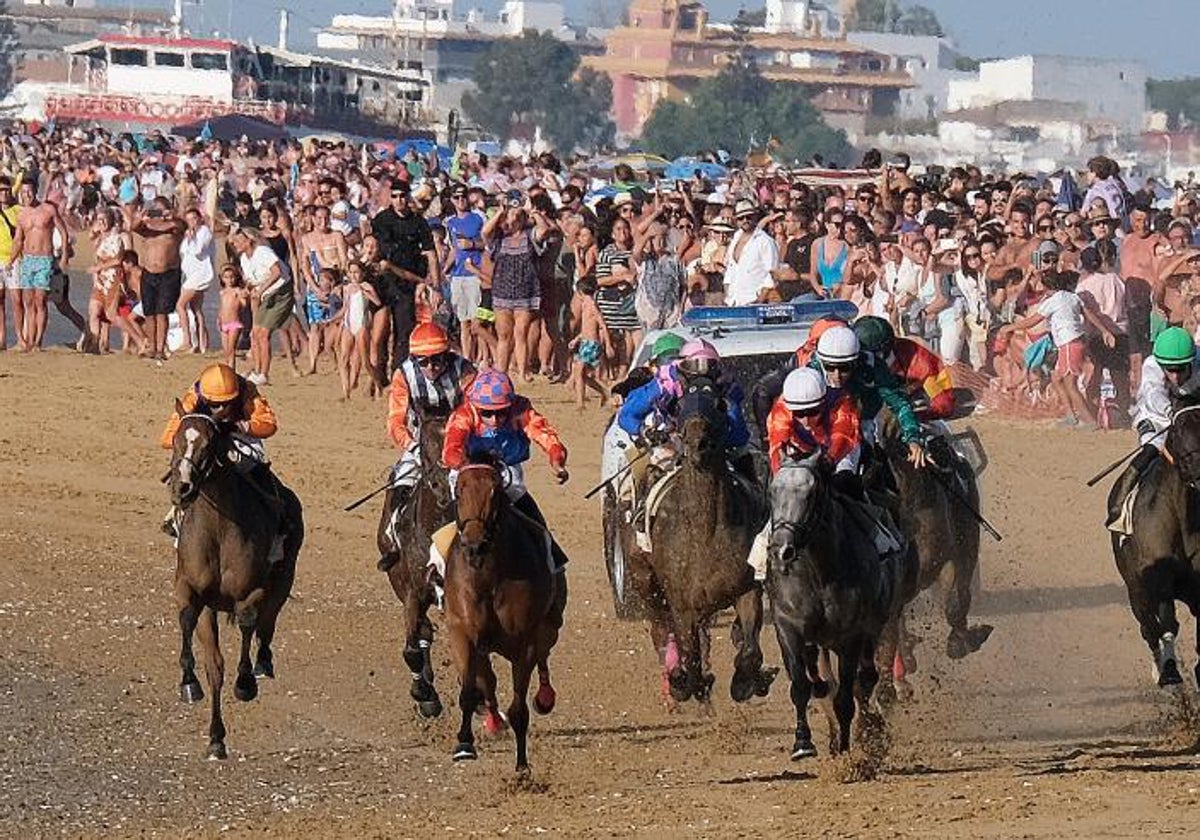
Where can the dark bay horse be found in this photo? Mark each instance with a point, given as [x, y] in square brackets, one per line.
[502, 597]
[831, 590]
[405, 531]
[1160, 560]
[943, 531]
[229, 522]
[701, 538]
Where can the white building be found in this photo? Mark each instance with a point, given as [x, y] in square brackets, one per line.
[802, 17]
[1111, 91]
[930, 61]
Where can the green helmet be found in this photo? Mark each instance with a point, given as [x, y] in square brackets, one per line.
[666, 345]
[1174, 347]
[874, 334]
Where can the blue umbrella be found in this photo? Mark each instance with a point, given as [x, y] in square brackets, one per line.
[683, 168]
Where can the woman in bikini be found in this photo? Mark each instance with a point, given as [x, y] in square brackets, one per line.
[829, 254]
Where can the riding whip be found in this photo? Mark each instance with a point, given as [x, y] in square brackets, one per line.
[954, 493]
[391, 483]
[617, 474]
[1098, 477]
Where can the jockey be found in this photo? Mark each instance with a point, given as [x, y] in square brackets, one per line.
[432, 379]
[839, 358]
[1170, 381]
[495, 421]
[808, 417]
[665, 350]
[237, 407]
[925, 376]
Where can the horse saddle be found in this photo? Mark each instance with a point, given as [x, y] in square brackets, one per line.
[654, 501]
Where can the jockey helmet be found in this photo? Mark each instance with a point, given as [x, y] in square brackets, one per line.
[428, 339]
[491, 390]
[803, 390]
[1174, 348]
[875, 334]
[667, 347]
[698, 358]
[218, 383]
[838, 346]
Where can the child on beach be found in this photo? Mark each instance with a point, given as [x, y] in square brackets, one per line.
[356, 331]
[591, 342]
[323, 307]
[484, 325]
[231, 313]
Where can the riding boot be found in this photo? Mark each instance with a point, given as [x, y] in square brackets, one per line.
[528, 506]
[400, 496]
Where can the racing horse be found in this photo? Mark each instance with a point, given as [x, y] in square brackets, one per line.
[831, 590]
[503, 596]
[1160, 559]
[224, 562]
[933, 508]
[405, 531]
[700, 536]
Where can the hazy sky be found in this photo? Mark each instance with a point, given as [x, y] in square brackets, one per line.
[1158, 32]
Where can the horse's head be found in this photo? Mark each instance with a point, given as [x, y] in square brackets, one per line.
[795, 497]
[193, 453]
[1183, 444]
[432, 423]
[702, 421]
[480, 492]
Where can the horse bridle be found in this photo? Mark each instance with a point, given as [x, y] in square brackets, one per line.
[486, 522]
[200, 467]
[800, 531]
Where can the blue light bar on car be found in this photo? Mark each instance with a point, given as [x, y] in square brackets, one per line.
[768, 314]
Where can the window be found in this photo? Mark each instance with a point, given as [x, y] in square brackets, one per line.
[209, 61]
[129, 58]
[168, 59]
[1122, 75]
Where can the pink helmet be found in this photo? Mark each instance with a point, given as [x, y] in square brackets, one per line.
[492, 389]
[698, 358]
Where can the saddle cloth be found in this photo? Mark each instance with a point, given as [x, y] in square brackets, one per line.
[1123, 524]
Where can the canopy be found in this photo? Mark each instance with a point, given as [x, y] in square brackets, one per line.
[637, 161]
[685, 167]
[232, 127]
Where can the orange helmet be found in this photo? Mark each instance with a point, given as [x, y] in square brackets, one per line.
[219, 384]
[428, 339]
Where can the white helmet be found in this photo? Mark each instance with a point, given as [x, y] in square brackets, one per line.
[838, 345]
[803, 389]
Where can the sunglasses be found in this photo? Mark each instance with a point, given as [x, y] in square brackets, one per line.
[973, 255]
[428, 361]
[838, 367]
[492, 412]
[1178, 370]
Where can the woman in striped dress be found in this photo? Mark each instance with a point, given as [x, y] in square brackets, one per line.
[615, 297]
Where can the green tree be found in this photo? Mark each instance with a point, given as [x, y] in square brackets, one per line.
[1180, 98]
[531, 81]
[739, 109]
[8, 45]
[892, 16]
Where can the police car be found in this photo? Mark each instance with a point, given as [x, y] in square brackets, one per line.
[752, 341]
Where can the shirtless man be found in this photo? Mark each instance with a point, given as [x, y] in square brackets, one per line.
[1018, 249]
[33, 245]
[161, 234]
[1139, 270]
[323, 248]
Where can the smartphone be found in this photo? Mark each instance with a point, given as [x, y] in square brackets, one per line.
[947, 244]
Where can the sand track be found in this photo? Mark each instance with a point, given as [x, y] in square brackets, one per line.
[1052, 730]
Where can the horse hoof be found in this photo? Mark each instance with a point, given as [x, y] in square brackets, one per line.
[265, 668]
[741, 689]
[246, 688]
[543, 701]
[1169, 675]
[465, 752]
[217, 751]
[191, 692]
[803, 748]
[820, 689]
[762, 684]
[977, 635]
[429, 708]
[493, 722]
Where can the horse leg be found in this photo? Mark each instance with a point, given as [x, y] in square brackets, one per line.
[1168, 665]
[663, 638]
[889, 660]
[688, 680]
[189, 686]
[795, 661]
[418, 638]
[518, 709]
[246, 687]
[493, 721]
[956, 605]
[264, 663]
[849, 660]
[868, 676]
[466, 661]
[544, 700]
[749, 676]
[214, 669]
[278, 591]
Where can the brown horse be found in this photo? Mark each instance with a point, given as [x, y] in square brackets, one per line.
[229, 522]
[945, 534]
[405, 530]
[701, 538]
[503, 597]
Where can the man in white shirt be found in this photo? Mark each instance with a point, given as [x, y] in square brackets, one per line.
[750, 259]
